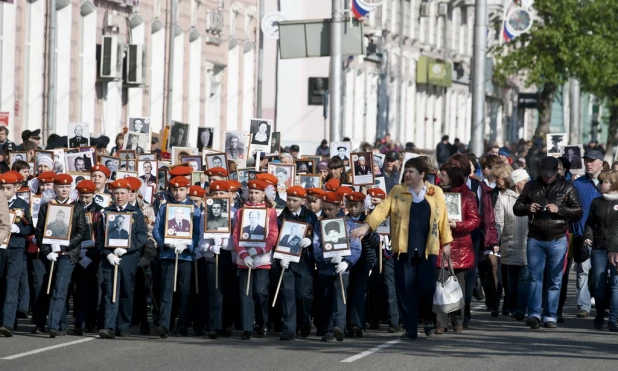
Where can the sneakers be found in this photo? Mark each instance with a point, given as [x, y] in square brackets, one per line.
[551, 324]
[583, 314]
[393, 330]
[534, 323]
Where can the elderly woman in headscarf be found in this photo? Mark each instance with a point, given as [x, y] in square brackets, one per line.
[44, 163]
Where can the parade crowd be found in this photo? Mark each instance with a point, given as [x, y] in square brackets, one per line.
[73, 264]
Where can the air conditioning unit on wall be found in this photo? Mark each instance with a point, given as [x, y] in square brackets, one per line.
[136, 64]
[424, 12]
[110, 61]
[443, 9]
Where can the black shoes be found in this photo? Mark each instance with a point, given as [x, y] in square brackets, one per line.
[534, 323]
[246, 335]
[182, 333]
[123, 334]
[78, 331]
[355, 332]
[37, 331]
[328, 337]
[107, 334]
[7, 332]
[407, 336]
[394, 330]
[612, 327]
[305, 331]
[518, 316]
[495, 314]
[430, 329]
[598, 322]
[53, 333]
[338, 334]
[162, 332]
[22, 315]
[287, 337]
[551, 324]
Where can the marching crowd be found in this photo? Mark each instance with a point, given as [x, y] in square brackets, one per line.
[513, 244]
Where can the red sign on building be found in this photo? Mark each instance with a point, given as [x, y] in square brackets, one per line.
[4, 119]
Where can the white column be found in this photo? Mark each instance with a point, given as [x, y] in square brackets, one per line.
[34, 66]
[178, 95]
[135, 104]
[437, 114]
[421, 124]
[410, 123]
[372, 107]
[213, 106]
[157, 75]
[248, 77]
[63, 68]
[402, 134]
[195, 83]
[348, 124]
[112, 109]
[7, 62]
[359, 106]
[88, 61]
[233, 57]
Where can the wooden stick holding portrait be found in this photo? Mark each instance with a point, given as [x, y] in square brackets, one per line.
[175, 272]
[51, 274]
[248, 281]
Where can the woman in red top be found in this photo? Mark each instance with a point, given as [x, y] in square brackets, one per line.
[453, 179]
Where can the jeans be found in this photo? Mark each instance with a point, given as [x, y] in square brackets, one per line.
[583, 292]
[540, 254]
[517, 288]
[599, 282]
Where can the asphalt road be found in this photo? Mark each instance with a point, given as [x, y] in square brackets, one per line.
[491, 344]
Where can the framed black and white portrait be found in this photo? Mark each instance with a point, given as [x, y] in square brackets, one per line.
[310, 180]
[58, 222]
[205, 138]
[79, 162]
[126, 174]
[194, 162]
[147, 172]
[275, 143]
[217, 216]
[341, 150]
[179, 135]
[362, 168]
[334, 237]
[556, 144]
[236, 146]
[79, 134]
[118, 230]
[216, 160]
[290, 238]
[136, 142]
[379, 182]
[112, 163]
[78, 177]
[139, 125]
[305, 166]
[163, 178]
[147, 192]
[179, 152]
[102, 199]
[286, 175]
[254, 226]
[127, 154]
[18, 156]
[453, 206]
[574, 154]
[147, 156]
[179, 226]
[244, 176]
[260, 130]
[24, 195]
[59, 161]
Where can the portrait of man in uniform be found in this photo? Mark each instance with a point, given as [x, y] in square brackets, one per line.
[292, 240]
[81, 137]
[234, 147]
[118, 227]
[217, 218]
[59, 227]
[178, 224]
[147, 177]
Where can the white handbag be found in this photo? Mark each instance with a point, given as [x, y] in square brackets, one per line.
[448, 296]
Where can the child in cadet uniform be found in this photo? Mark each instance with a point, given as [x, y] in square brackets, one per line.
[64, 257]
[382, 286]
[12, 253]
[333, 311]
[314, 200]
[198, 299]
[179, 187]
[119, 314]
[85, 276]
[296, 295]
[257, 258]
[359, 273]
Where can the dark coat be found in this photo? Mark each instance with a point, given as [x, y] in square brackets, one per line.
[78, 233]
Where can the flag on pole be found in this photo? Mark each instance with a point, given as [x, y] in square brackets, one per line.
[506, 35]
[360, 10]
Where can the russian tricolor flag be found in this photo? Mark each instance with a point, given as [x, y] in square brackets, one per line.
[359, 10]
[506, 35]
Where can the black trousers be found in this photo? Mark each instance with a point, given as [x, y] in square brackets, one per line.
[11, 266]
[38, 290]
[230, 290]
[183, 287]
[296, 296]
[357, 290]
[382, 296]
[333, 311]
[257, 298]
[141, 296]
[118, 315]
[198, 301]
[215, 295]
[86, 294]
[415, 280]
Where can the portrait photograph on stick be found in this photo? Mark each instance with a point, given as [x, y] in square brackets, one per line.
[289, 243]
[253, 227]
[147, 192]
[260, 130]
[118, 230]
[136, 142]
[112, 163]
[574, 154]
[17, 156]
[139, 125]
[179, 135]
[59, 161]
[216, 160]
[79, 162]
[453, 206]
[275, 143]
[286, 174]
[79, 134]
[147, 172]
[334, 238]
[57, 227]
[78, 177]
[556, 144]
[102, 199]
[194, 162]
[217, 216]
[310, 180]
[236, 147]
[362, 168]
[205, 138]
[179, 223]
[304, 166]
[341, 150]
[179, 152]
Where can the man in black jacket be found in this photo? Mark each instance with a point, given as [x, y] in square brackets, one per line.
[118, 313]
[64, 257]
[551, 204]
[14, 252]
[296, 304]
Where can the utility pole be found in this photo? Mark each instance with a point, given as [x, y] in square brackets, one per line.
[478, 79]
[51, 71]
[170, 65]
[400, 78]
[574, 112]
[260, 60]
[336, 71]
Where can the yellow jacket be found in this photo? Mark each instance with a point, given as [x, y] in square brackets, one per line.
[397, 206]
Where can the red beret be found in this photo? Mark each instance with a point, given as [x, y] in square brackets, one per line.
[86, 186]
[332, 185]
[268, 178]
[355, 197]
[296, 191]
[216, 171]
[377, 193]
[47, 177]
[101, 168]
[219, 185]
[258, 184]
[333, 198]
[11, 177]
[196, 190]
[179, 181]
[135, 183]
[63, 179]
[235, 185]
[120, 184]
[180, 170]
[344, 191]
[317, 192]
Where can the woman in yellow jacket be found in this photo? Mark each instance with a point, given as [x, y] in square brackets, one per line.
[419, 230]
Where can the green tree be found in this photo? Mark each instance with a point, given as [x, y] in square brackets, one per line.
[543, 56]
